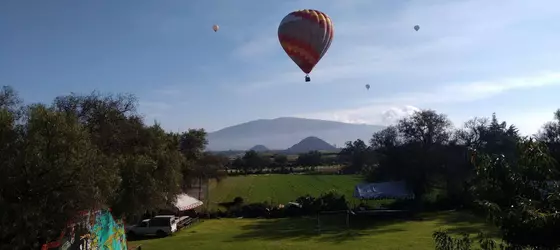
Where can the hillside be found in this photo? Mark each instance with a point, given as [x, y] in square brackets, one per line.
[259, 148]
[282, 133]
[309, 144]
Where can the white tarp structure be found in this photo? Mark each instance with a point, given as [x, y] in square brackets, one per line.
[185, 202]
[383, 190]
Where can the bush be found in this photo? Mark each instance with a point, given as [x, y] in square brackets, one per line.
[309, 205]
[445, 242]
[331, 201]
[236, 203]
[255, 210]
[238, 200]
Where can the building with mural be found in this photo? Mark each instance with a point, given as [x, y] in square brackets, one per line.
[91, 230]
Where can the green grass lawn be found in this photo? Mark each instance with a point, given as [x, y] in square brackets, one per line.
[290, 233]
[279, 188]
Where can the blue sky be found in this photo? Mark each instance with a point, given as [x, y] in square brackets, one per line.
[470, 58]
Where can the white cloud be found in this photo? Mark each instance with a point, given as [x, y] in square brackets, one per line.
[387, 110]
[256, 47]
[365, 47]
[360, 62]
[449, 54]
[375, 114]
[472, 91]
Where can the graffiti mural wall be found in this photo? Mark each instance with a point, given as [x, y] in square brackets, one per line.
[92, 230]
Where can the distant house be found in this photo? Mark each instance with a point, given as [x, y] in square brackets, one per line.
[383, 190]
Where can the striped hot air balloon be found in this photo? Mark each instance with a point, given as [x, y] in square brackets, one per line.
[306, 35]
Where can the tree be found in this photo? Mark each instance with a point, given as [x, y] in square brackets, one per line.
[193, 143]
[10, 101]
[153, 177]
[550, 135]
[358, 155]
[387, 145]
[238, 164]
[472, 132]
[310, 159]
[424, 134]
[386, 138]
[112, 121]
[521, 196]
[252, 161]
[147, 158]
[50, 171]
[425, 127]
[86, 152]
[280, 161]
[499, 138]
[211, 166]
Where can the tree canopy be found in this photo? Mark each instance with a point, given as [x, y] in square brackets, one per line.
[85, 152]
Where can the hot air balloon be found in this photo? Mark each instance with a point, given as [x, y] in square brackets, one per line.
[367, 86]
[416, 27]
[306, 35]
[215, 27]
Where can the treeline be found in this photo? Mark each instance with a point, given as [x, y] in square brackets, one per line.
[253, 162]
[84, 152]
[485, 166]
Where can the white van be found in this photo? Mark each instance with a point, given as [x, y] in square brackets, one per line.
[160, 226]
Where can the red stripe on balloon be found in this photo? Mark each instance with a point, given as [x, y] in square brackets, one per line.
[303, 45]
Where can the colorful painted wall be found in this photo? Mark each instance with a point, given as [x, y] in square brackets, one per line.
[92, 230]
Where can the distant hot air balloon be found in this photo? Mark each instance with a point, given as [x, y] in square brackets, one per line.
[367, 86]
[215, 27]
[416, 27]
[306, 35]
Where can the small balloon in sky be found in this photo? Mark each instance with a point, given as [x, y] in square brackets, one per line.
[367, 86]
[215, 27]
[306, 35]
[416, 27]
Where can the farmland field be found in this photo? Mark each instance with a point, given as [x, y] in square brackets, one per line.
[279, 188]
[293, 234]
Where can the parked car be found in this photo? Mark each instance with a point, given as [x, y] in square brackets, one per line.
[160, 226]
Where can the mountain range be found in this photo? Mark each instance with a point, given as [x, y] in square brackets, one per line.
[284, 132]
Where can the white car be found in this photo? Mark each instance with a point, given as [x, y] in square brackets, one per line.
[161, 226]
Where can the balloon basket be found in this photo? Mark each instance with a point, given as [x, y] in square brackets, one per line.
[307, 79]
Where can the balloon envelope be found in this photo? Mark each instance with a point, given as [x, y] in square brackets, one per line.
[215, 27]
[306, 35]
[367, 86]
[416, 27]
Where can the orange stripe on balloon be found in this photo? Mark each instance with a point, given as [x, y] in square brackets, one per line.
[294, 50]
[300, 44]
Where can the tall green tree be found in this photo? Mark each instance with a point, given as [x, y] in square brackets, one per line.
[310, 159]
[50, 171]
[425, 133]
[521, 196]
[280, 161]
[357, 155]
[147, 157]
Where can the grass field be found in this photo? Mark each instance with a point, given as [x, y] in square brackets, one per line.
[279, 188]
[300, 234]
